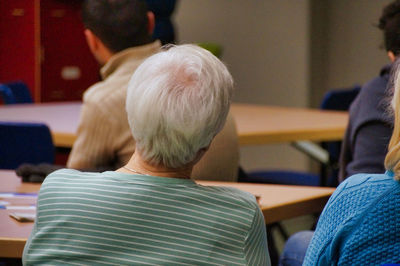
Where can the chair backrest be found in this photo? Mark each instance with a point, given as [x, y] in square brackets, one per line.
[25, 143]
[338, 100]
[20, 91]
[6, 94]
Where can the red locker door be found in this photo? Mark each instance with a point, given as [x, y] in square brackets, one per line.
[67, 66]
[17, 42]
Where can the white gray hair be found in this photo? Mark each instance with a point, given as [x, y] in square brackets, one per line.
[177, 101]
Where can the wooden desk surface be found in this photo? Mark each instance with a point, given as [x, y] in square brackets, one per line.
[13, 234]
[259, 124]
[278, 202]
[256, 124]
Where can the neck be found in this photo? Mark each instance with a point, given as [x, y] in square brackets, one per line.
[139, 166]
[143, 41]
[106, 53]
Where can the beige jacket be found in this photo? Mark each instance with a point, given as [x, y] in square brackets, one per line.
[104, 138]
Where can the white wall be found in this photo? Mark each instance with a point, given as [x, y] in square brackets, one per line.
[266, 48]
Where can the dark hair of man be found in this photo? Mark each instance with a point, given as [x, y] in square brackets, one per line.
[119, 24]
[389, 22]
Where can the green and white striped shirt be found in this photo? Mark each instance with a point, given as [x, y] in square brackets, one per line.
[114, 218]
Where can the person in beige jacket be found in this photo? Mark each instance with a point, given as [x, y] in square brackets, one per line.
[118, 33]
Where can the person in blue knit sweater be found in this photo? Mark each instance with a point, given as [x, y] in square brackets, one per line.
[363, 151]
[360, 225]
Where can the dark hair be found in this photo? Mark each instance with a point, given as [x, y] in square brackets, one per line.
[389, 23]
[119, 24]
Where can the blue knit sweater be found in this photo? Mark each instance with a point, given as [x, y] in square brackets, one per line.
[360, 224]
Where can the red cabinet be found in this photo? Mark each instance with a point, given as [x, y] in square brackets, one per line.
[42, 43]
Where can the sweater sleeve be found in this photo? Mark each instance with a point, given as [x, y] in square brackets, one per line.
[93, 147]
[369, 129]
[337, 237]
[256, 249]
[318, 252]
[369, 148]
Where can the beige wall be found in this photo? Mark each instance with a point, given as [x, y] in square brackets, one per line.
[266, 52]
[266, 48]
[287, 52]
[346, 44]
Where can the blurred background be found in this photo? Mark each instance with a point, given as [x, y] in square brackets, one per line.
[286, 52]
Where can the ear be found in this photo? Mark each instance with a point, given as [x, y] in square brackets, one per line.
[151, 22]
[97, 47]
[391, 56]
[92, 41]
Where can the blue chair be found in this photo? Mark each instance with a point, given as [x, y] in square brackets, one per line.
[333, 100]
[339, 99]
[6, 95]
[20, 91]
[282, 177]
[25, 143]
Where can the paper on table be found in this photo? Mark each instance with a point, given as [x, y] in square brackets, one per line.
[17, 195]
[23, 217]
[19, 207]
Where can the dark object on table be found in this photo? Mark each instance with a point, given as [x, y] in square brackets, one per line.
[36, 173]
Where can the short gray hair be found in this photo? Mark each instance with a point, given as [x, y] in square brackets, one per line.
[177, 101]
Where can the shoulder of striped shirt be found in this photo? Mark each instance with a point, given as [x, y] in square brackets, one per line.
[240, 195]
[235, 193]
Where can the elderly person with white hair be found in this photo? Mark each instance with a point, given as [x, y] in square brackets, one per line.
[150, 211]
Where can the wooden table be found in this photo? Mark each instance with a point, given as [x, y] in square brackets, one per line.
[278, 202]
[257, 124]
[13, 234]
